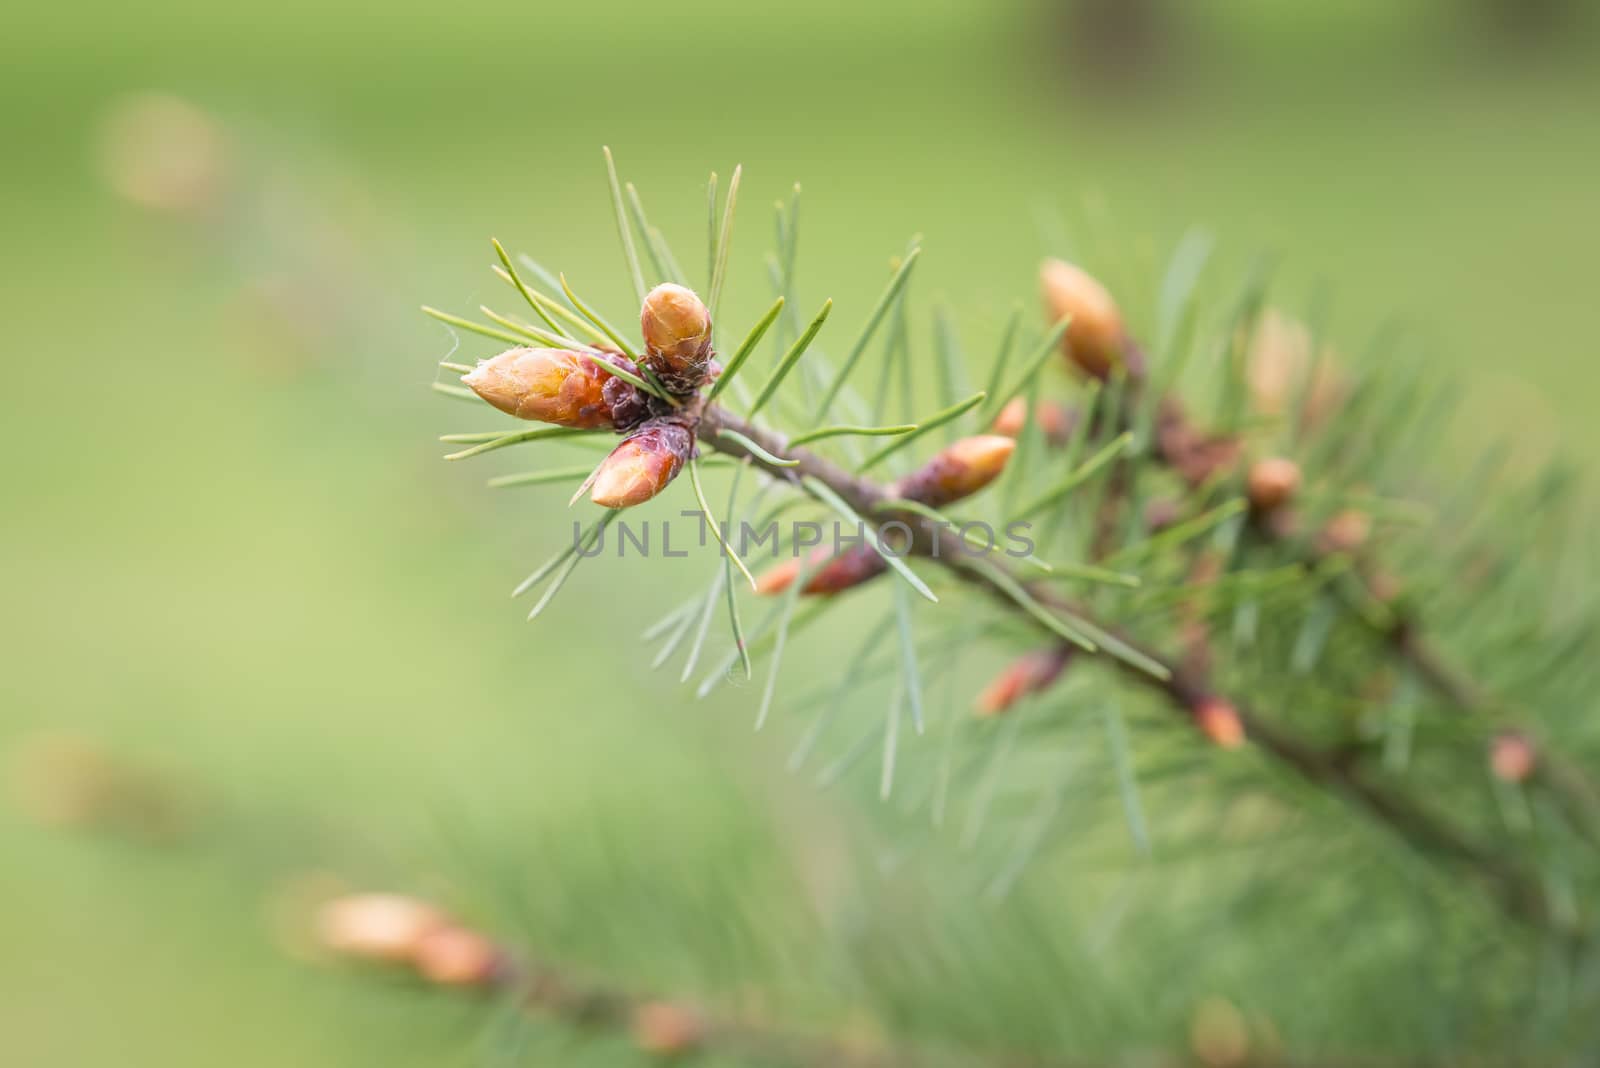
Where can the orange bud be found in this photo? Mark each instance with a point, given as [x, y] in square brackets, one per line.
[1028, 674]
[677, 335]
[377, 927]
[828, 574]
[665, 1029]
[549, 385]
[1280, 358]
[1346, 532]
[1095, 337]
[1055, 421]
[958, 471]
[455, 956]
[1219, 721]
[642, 466]
[1218, 1036]
[1271, 483]
[1512, 757]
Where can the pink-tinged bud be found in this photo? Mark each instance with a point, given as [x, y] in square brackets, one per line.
[958, 471]
[827, 574]
[642, 466]
[1028, 674]
[549, 385]
[1346, 532]
[1280, 358]
[1272, 483]
[664, 1029]
[1219, 721]
[1054, 420]
[387, 928]
[1095, 337]
[677, 336]
[455, 956]
[1512, 757]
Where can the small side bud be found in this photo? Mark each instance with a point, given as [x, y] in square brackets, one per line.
[1028, 674]
[1054, 420]
[1272, 483]
[455, 956]
[1279, 361]
[958, 471]
[1513, 757]
[827, 574]
[548, 385]
[1346, 532]
[1095, 337]
[386, 928]
[1219, 721]
[1218, 1035]
[664, 1029]
[642, 466]
[677, 336]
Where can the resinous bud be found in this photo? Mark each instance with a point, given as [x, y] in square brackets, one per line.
[642, 466]
[826, 573]
[548, 385]
[1271, 483]
[455, 956]
[1096, 336]
[1512, 757]
[1055, 421]
[959, 471]
[677, 336]
[1219, 721]
[388, 928]
[1028, 674]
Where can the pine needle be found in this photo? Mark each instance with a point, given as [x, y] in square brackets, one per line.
[501, 441]
[755, 450]
[623, 230]
[752, 339]
[468, 324]
[600, 324]
[896, 282]
[711, 521]
[508, 271]
[724, 243]
[850, 431]
[924, 426]
[790, 358]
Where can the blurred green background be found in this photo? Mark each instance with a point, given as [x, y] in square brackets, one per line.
[230, 549]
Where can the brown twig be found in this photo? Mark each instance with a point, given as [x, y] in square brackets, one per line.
[1514, 889]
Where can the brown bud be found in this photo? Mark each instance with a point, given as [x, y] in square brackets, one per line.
[958, 471]
[642, 466]
[1218, 1035]
[665, 1029]
[1219, 721]
[1028, 674]
[827, 573]
[1054, 420]
[1271, 483]
[455, 956]
[1346, 532]
[677, 335]
[1512, 757]
[377, 927]
[1095, 338]
[550, 385]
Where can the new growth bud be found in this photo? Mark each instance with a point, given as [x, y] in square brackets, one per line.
[455, 956]
[958, 471]
[1095, 338]
[1512, 757]
[1346, 532]
[677, 336]
[1028, 674]
[1272, 483]
[386, 928]
[1054, 420]
[555, 386]
[842, 572]
[1219, 721]
[664, 1029]
[642, 466]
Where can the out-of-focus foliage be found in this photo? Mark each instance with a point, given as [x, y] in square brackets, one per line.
[237, 562]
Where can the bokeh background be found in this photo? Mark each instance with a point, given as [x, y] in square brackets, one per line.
[229, 547]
